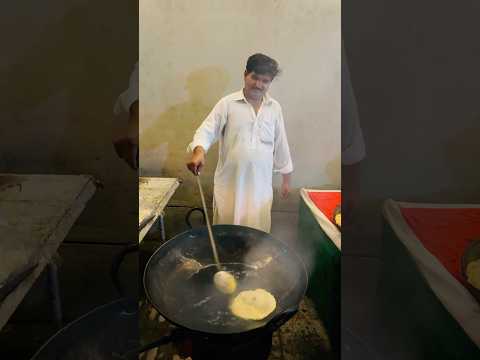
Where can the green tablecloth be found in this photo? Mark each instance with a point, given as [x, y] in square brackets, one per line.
[324, 267]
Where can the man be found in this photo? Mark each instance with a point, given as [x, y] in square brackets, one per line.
[249, 127]
[126, 143]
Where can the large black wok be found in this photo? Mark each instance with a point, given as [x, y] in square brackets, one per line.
[106, 333]
[178, 279]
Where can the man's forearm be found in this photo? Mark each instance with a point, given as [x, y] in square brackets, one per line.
[286, 178]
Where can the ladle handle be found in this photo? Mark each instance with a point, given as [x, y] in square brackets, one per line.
[209, 228]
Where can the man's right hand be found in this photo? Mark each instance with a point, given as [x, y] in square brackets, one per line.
[197, 161]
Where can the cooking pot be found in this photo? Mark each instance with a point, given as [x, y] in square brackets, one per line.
[178, 279]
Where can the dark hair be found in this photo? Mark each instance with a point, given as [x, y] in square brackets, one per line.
[263, 65]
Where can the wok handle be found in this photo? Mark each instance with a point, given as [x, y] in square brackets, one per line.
[175, 335]
[115, 267]
[189, 213]
[280, 319]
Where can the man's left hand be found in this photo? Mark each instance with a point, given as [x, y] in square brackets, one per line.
[285, 190]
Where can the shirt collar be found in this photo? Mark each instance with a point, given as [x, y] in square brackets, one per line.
[239, 95]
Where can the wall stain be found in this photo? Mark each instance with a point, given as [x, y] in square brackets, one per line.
[174, 128]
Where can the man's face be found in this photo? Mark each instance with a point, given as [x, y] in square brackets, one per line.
[256, 85]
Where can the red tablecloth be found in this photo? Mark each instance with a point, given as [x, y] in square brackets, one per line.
[445, 233]
[326, 201]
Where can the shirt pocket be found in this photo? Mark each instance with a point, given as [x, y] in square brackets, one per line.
[267, 132]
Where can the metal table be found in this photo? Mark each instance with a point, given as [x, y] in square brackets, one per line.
[36, 214]
[153, 195]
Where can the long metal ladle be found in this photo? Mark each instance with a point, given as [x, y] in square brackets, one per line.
[224, 281]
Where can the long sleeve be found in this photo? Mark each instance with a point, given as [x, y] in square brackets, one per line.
[209, 131]
[282, 161]
[129, 96]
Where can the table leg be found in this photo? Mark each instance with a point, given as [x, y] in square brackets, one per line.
[162, 227]
[55, 293]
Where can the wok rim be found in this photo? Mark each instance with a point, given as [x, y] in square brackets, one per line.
[52, 338]
[245, 332]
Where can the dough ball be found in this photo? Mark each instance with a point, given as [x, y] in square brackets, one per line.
[225, 282]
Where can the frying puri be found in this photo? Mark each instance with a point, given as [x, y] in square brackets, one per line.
[253, 304]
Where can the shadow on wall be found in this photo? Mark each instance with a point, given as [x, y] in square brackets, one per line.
[57, 101]
[163, 145]
[65, 110]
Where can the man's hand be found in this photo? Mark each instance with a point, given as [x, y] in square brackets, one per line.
[197, 161]
[285, 190]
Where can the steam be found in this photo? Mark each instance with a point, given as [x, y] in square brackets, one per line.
[265, 265]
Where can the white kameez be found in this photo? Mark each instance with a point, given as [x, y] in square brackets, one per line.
[251, 148]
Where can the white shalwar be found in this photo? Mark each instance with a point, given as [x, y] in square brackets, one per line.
[251, 148]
